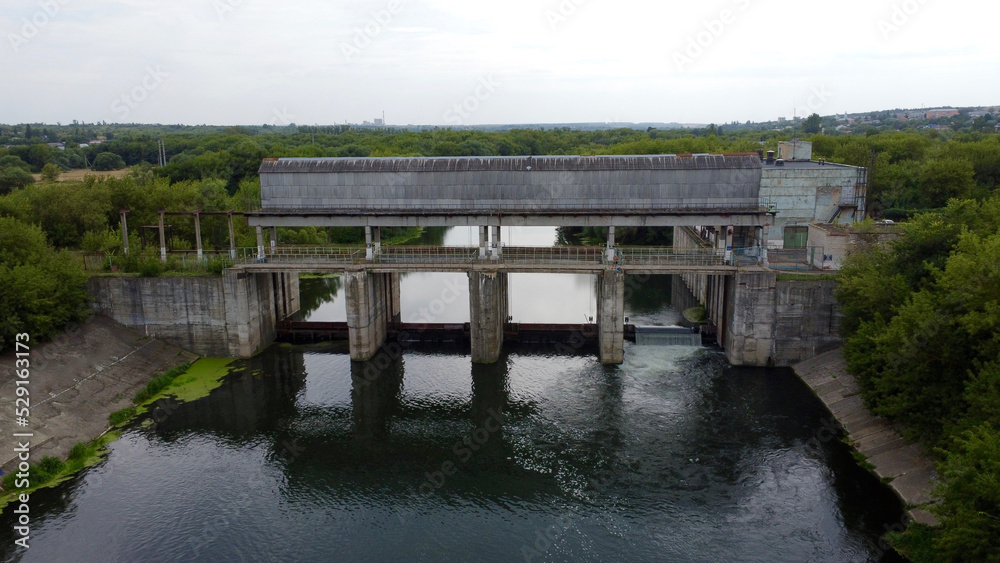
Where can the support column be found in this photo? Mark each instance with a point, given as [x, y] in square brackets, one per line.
[377, 242]
[197, 235]
[232, 236]
[124, 212]
[484, 242]
[163, 238]
[497, 247]
[274, 240]
[260, 243]
[611, 245]
[487, 305]
[611, 316]
[765, 233]
[369, 248]
[367, 313]
[393, 302]
[729, 243]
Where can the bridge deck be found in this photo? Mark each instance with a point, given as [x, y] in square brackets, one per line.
[569, 259]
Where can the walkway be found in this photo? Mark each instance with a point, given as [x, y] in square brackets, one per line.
[568, 259]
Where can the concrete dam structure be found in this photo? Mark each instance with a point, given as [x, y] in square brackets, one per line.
[490, 192]
[720, 191]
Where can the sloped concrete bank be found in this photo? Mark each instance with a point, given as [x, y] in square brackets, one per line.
[79, 379]
[906, 467]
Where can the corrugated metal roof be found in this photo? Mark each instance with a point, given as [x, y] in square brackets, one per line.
[510, 163]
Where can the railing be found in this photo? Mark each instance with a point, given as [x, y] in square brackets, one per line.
[586, 256]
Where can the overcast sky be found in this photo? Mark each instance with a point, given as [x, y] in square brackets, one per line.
[452, 62]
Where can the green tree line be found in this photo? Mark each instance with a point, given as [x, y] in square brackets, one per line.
[922, 327]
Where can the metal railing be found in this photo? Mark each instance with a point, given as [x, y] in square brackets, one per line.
[587, 256]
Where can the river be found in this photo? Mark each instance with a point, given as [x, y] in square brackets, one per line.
[545, 456]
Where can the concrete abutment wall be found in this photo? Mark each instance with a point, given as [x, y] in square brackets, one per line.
[233, 315]
[611, 316]
[488, 308]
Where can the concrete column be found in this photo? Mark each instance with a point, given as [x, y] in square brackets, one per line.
[260, 243]
[274, 239]
[729, 243]
[369, 248]
[497, 247]
[750, 319]
[611, 316]
[394, 309]
[484, 242]
[124, 212]
[232, 236]
[765, 233]
[611, 244]
[367, 313]
[487, 305]
[163, 238]
[197, 235]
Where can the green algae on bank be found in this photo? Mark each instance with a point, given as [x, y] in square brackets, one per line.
[197, 381]
[82, 456]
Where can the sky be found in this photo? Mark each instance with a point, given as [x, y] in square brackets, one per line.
[468, 62]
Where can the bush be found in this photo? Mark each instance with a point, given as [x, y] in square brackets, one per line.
[51, 172]
[12, 178]
[108, 161]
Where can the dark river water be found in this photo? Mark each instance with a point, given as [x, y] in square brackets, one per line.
[544, 456]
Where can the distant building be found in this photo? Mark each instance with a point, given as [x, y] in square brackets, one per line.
[939, 113]
[978, 113]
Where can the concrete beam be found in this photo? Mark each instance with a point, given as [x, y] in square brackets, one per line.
[291, 218]
[488, 308]
[611, 316]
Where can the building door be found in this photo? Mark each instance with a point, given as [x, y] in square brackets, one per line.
[796, 237]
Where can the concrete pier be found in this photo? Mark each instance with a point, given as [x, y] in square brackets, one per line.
[488, 306]
[372, 303]
[611, 316]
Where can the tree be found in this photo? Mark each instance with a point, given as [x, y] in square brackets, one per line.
[41, 290]
[108, 161]
[12, 178]
[813, 124]
[942, 179]
[51, 172]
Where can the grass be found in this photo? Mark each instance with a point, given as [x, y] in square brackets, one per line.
[862, 461]
[159, 384]
[51, 471]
